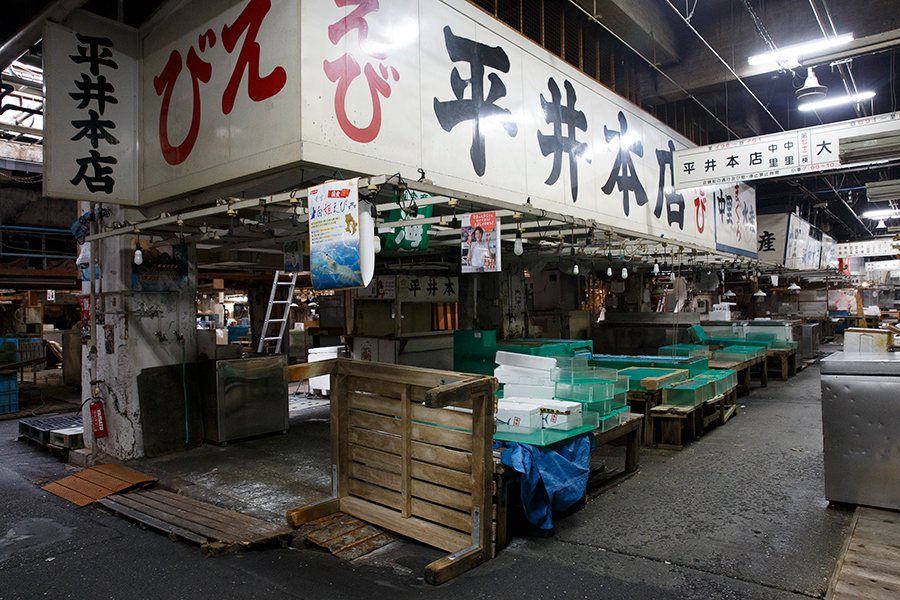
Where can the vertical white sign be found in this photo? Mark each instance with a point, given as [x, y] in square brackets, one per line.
[772, 236]
[90, 114]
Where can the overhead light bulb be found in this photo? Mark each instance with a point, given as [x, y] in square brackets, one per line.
[729, 294]
[656, 267]
[760, 294]
[518, 247]
[138, 255]
[881, 225]
[793, 288]
[609, 271]
[624, 273]
[575, 270]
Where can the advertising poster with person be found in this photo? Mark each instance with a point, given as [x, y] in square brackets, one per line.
[480, 243]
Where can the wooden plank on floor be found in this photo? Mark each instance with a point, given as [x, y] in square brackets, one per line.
[339, 528]
[113, 484]
[132, 477]
[216, 512]
[212, 534]
[869, 565]
[228, 530]
[366, 546]
[141, 517]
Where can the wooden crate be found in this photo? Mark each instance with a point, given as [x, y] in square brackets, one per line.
[404, 461]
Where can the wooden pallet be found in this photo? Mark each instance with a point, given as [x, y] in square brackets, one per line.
[678, 425]
[869, 566]
[404, 461]
[216, 530]
[344, 536]
[783, 360]
[641, 402]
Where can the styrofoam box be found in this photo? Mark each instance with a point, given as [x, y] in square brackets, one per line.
[555, 412]
[514, 359]
[506, 374]
[519, 414]
[867, 340]
[531, 392]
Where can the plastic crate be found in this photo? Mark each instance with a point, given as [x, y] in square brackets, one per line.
[585, 385]
[725, 380]
[8, 383]
[609, 421]
[39, 428]
[9, 402]
[751, 351]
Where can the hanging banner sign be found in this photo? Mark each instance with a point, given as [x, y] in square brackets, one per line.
[867, 248]
[383, 287]
[733, 211]
[829, 258]
[91, 110]
[795, 152]
[411, 237]
[334, 235]
[479, 237]
[426, 288]
[293, 256]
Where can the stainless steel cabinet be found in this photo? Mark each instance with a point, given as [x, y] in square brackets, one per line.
[861, 428]
[246, 397]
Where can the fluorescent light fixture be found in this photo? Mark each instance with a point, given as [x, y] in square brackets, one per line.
[884, 213]
[788, 55]
[836, 101]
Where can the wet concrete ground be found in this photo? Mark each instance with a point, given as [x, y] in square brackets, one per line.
[739, 514]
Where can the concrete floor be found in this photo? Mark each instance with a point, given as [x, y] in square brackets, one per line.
[739, 514]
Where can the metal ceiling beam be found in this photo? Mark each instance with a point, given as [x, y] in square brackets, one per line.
[31, 33]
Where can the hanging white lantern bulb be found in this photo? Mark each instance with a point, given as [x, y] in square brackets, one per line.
[575, 270]
[609, 271]
[624, 273]
[655, 267]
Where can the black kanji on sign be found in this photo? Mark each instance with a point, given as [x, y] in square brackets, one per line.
[95, 51]
[732, 161]
[432, 287]
[710, 165]
[449, 290]
[755, 158]
[823, 147]
[100, 180]
[556, 143]
[414, 286]
[688, 167]
[478, 108]
[623, 174]
[99, 91]
[94, 129]
[767, 242]
[674, 201]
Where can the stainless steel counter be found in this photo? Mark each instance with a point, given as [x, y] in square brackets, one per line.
[861, 428]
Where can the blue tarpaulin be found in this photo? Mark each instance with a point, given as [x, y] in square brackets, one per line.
[553, 477]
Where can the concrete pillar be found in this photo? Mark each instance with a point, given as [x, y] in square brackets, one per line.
[144, 334]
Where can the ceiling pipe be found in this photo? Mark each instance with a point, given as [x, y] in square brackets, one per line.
[33, 31]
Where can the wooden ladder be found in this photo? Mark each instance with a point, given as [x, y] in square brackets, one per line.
[265, 338]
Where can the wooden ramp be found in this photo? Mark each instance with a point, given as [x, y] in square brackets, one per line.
[97, 482]
[216, 529]
[344, 536]
[869, 568]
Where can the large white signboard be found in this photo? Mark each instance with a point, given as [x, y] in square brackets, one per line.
[788, 240]
[794, 152]
[335, 260]
[397, 86]
[90, 115]
[877, 247]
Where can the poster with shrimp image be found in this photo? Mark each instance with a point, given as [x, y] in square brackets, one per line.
[334, 235]
[480, 243]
